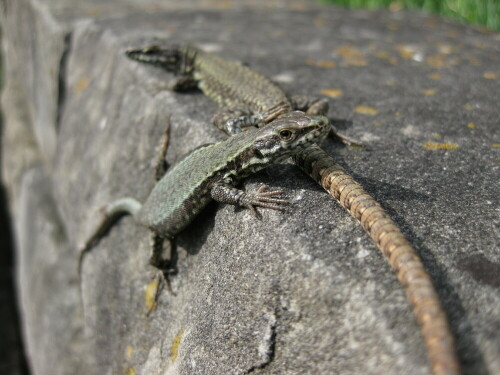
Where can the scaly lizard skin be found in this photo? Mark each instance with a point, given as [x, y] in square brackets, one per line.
[247, 98]
[210, 172]
[256, 100]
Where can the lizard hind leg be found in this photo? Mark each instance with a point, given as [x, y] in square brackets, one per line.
[310, 105]
[109, 216]
[160, 167]
[165, 264]
[233, 120]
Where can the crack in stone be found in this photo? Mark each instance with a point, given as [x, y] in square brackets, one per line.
[269, 350]
[61, 80]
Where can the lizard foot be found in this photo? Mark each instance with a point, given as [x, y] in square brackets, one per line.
[348, 141]
[260, 198]
[265, 199]
[161, 280]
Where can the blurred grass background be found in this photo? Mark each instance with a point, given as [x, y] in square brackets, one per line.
[479, 12]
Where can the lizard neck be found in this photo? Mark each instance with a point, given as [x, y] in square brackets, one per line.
[249, 161]
[246, 162]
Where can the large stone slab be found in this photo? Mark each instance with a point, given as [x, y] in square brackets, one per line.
[304, 291]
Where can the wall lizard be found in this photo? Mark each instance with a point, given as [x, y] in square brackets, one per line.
[211, 172]
[248, 98]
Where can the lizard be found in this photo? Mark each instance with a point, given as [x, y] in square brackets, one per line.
[211, 173]
[248, 98]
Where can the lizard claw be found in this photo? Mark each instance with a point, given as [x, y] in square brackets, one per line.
[265, 199]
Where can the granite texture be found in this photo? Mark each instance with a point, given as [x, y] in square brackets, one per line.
[299, 292]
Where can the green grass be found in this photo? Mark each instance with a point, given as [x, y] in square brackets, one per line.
[479, 12]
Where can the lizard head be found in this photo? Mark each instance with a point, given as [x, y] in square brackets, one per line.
[169, 59]
[290, 133]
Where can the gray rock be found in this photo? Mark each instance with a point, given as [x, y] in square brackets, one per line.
[299, 292]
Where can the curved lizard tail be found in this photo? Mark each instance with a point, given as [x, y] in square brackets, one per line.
[395, 248]
[110, 214]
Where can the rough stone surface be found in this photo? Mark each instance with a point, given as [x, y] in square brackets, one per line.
[304, 291]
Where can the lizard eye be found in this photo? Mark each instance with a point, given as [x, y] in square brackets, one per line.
[285, 134]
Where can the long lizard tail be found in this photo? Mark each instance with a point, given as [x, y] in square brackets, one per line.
[110, 214]
[396, 249]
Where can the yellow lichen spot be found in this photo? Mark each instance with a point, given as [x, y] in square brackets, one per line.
[383, 54]
[321, 63]
[174, 348]
[224, 4]
[325, 64]
[406, 51]
[128, 351]
[348, 51]
[468, 107]
[355, 62]
[397, 113]
[352, 56]
[490, 75]
[480, 44]
[298, 5]
[432, 22]
[151, 295]
[377, 123]
[437, 61]
[393, 26]
[471, 125]
[81, 84]
[495, 145]
[446, 49]
[428, 92]
[94, 12]
[390, 82]
[332, 93]
[474, 61]
[440, 146]
[366, 110]
[130, 371]
[320, 21]
[435, 76]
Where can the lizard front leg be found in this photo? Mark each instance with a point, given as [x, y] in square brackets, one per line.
[173, 59]
[234, 120]
[183, 83]
[260, 198]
